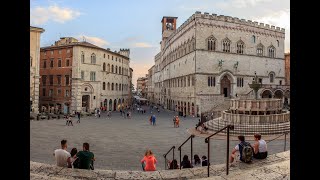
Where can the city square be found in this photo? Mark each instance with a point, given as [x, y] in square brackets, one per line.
[119, 143]
[219, 66]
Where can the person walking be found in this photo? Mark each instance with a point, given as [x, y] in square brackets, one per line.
[99, 113]
[79, 115]
[154, 120]
[174, 121]
[149, 161]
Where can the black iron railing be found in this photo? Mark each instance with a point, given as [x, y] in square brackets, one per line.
[207, 140]
[165, 156]
[179, 148]
[285, 140]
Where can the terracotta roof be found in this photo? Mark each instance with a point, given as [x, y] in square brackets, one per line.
[82, 43]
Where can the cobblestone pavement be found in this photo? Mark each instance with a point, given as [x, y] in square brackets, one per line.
[119, 143]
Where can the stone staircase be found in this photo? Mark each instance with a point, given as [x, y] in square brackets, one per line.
[245, 129]
[275, 166]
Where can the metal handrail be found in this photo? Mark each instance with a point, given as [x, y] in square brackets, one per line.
[285, 140]
[165, 156]
[179, 148]
[207, 140]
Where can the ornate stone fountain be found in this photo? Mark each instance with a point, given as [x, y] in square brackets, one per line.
[249, 116]
[255, 85]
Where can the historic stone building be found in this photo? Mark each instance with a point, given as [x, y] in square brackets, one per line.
[141, 86]
[35, 33]
[150, 84]
[287, 63]
[80, 76]
[210, 58]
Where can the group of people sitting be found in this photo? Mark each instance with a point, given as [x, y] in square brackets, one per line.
[244, 151]
[186, 163]
[201, 127]
[81, 160]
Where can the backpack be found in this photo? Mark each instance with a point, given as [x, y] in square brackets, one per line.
[247, 152]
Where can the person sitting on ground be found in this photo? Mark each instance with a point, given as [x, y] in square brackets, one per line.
[204, 161]
[149, 161]
[196, 161]
[259, 147]
[86, 157]
[186, 162]
[62, 155]
[174, 164]
[245, 150]
[72, 158]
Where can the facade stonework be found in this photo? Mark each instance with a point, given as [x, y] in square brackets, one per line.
[35, 33]
[142, 86]
[287, 62]
[99, 77]
[214, 57]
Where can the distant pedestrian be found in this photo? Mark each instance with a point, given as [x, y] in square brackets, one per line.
[79, 115]
[174, 121]
[99, 113]
[154, 120]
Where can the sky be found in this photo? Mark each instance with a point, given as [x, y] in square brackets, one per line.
[136, 24]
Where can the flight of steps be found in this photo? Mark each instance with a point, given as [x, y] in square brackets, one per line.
[275, 166]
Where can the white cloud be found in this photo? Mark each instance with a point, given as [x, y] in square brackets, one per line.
[94, 40]
[246, 3]
[142, 45]
[280, 19]
[40, 15]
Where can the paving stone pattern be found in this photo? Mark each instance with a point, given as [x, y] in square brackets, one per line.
[119, 143]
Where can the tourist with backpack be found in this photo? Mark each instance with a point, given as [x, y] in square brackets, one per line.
[260, 147]
[245, 150]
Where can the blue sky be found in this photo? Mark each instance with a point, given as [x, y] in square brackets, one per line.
[136, 24]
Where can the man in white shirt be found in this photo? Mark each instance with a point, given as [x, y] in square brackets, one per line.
[62, 155]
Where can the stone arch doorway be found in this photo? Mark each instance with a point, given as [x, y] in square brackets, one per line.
[86, 102]
[192, 109]
[115, 104]
[105, 104]
[225, 85]
[110, 105]
[185, 109]
[188, 112]
[266, 94]
[278, 94]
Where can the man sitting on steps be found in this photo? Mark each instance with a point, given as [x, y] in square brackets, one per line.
[245, 150]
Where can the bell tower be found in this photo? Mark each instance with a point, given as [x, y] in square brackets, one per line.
[169, 25]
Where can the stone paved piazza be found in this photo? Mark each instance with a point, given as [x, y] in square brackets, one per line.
[119, 144]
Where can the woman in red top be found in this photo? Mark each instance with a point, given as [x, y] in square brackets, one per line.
[149, 160]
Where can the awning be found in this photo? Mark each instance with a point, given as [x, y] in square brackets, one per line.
[143, 99]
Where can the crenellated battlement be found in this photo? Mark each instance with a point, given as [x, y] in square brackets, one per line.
[206, 15]
[230, 19]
